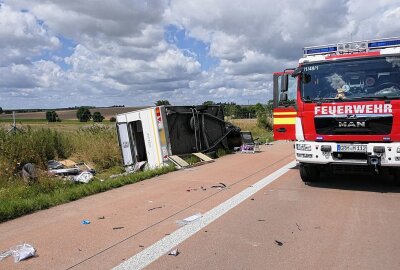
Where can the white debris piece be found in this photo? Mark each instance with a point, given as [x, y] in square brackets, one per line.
[189, 219]
[19, 252]
[83, 177]
[174, 252]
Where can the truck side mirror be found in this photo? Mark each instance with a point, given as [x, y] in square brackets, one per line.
[284, 83]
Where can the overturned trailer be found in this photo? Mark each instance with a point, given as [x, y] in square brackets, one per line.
[154, 134]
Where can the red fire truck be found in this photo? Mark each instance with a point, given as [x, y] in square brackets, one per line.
[341, 105]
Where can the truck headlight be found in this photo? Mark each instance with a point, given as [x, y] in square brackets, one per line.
[398, 149]
[303, 147]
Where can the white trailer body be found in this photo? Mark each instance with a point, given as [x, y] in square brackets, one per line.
[155, 133]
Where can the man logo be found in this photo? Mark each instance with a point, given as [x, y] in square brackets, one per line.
[350, 124]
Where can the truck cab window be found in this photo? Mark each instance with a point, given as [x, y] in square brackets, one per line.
[292, 93]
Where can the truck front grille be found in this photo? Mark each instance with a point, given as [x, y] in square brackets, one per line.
[353, 125]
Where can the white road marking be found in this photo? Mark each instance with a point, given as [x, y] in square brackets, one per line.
[163, 246]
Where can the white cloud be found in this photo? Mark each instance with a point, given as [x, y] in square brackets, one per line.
[119, 56]
[22, 37]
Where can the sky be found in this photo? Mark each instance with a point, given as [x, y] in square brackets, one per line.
[57, 53]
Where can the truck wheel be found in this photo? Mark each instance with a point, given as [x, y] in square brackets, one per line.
[309, 173]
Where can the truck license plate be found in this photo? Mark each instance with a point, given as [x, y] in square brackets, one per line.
[358, 148]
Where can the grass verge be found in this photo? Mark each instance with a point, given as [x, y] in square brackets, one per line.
[20, 199]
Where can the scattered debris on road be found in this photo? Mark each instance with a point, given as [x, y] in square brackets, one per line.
[141, 246]
[154, 208]
[189, 219]
[252, 199]
[174, 252]
[118, 228]
[279, 243]
[220, 186]
[85, 222]
[317, 228]
[102, 217]
[298, 226]
[19, 252]
[249, 145]
[195, 189]
[261, 220]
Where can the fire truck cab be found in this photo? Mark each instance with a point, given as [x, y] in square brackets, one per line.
[341, 106]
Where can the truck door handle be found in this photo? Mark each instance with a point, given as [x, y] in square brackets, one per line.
[281, 129]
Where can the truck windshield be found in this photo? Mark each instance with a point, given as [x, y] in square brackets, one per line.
[355, 79]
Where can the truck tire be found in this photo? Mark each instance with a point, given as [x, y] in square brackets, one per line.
[309, 173]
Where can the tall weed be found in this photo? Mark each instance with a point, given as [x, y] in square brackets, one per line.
[34, 146]
[98, 145]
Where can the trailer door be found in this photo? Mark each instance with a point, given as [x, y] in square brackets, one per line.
[285, 106]
[126, 147]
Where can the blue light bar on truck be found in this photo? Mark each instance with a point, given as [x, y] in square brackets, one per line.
[322, 50]
[384, 44]
[351, 47]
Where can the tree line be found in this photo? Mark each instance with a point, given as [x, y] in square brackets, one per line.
[83, 114]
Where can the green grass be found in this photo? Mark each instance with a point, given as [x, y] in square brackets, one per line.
[18, 199]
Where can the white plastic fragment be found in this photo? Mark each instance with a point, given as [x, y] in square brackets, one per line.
[5, 254]
[189, 219]
[174, 252]
[83, 177]
[19, 252]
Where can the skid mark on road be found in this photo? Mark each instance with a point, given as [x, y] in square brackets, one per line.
[152, 253]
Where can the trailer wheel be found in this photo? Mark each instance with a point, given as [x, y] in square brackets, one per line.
[309, 173]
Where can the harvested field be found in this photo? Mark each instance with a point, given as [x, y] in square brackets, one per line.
[71, 114]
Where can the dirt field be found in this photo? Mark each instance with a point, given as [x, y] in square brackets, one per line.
[71, 114]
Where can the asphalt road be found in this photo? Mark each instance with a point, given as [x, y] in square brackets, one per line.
[344, 222]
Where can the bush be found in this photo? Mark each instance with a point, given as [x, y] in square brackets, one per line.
[52, 116]
[113, 119]
[97, 117]
[83, 114]
[263, 121]
[162, 102]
